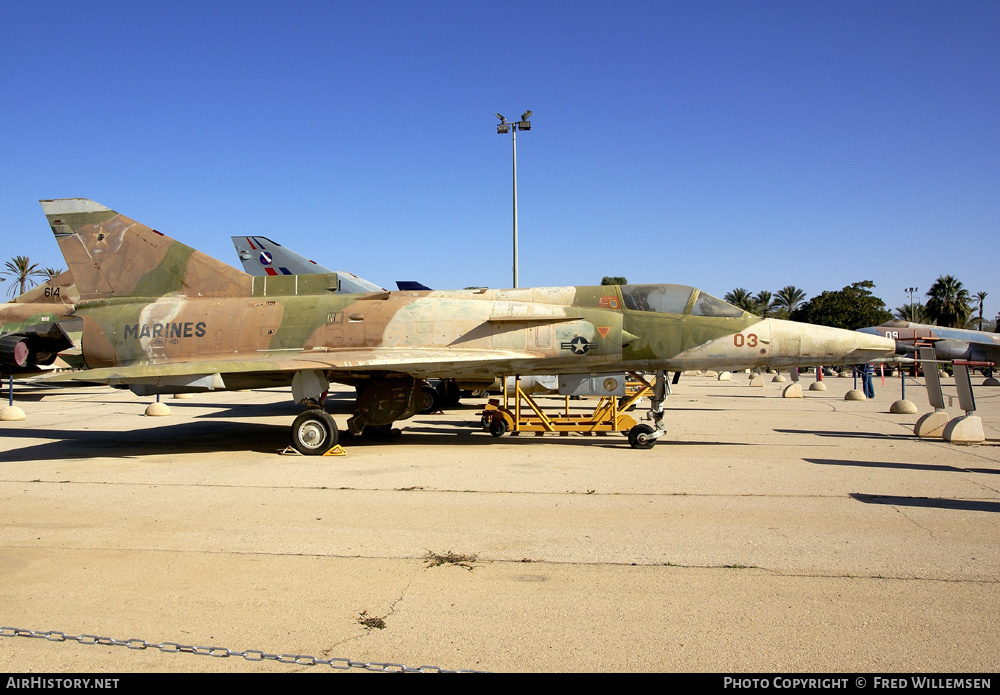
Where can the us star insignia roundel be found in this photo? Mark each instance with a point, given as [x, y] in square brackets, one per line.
[578, 346]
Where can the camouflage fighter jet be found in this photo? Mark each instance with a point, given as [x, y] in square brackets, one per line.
[36, 328]
[161, 317]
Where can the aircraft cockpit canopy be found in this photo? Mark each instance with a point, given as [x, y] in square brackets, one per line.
[707, 305]
[675, 299]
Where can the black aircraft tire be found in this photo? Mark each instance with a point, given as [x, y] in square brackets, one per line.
[430, 400]
[638, 437]
[314, 433]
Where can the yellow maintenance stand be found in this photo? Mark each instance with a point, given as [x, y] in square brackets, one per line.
[522, 413]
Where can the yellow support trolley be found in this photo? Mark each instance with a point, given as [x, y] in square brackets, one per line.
[522, 413]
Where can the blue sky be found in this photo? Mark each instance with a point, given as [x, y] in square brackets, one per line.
[717, 144]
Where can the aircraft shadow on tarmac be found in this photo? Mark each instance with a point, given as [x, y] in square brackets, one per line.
[426, 429]
[334, 406]
[185, 438]
[727, 396]
[610, 439]
[849, 435]
[893, 465]
[214, 436]
[33, 397]
[931, 502]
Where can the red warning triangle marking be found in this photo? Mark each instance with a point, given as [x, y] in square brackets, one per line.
[603, 330]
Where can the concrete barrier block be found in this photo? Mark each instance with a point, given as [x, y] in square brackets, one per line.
[931, 425]
[967, 429]
[792, 391]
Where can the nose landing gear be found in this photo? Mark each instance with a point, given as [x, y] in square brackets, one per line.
[643, 436]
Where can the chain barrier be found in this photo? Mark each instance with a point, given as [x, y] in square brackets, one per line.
[222, 652]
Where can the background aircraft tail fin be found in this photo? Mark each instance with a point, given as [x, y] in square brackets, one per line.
[111, 255]
[261, 256]
[411, 285]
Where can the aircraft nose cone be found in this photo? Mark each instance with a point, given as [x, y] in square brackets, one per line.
[827, 346]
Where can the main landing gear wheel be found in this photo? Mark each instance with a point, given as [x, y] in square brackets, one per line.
[639, 437]
[430, 400]
[314, 433]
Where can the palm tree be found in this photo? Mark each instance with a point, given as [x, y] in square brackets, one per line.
[915, 313]
[981, 296]
[741, 298]
[788, 300]
[51, 273]
[948, 303]
[764, 303]
[21, 269]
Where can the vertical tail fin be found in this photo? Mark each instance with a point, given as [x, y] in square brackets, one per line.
[111, 255]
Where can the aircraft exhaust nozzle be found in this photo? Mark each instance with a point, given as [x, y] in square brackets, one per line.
[956, 350]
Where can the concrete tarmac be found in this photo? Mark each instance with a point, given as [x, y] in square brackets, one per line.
[761, 534]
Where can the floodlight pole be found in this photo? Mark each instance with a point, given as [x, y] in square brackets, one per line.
[911, 290]
[913, 319]
[513, 140]
[502, 128]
